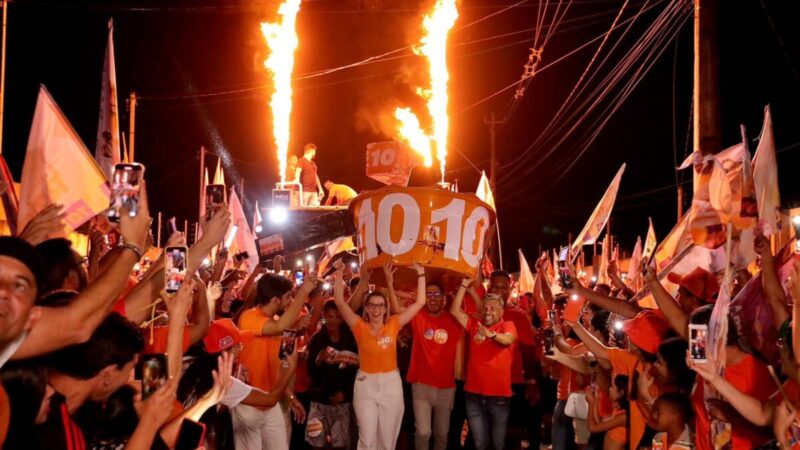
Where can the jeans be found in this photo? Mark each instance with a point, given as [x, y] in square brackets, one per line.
[562, 431]
[430, 401]
[378, 402]
[487, 418]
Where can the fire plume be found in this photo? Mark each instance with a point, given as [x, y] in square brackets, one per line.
[433, 46]
[411, 133]
[282, 41]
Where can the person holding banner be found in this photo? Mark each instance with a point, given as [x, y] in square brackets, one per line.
[378, 392]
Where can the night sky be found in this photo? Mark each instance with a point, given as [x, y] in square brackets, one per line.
[197, 66]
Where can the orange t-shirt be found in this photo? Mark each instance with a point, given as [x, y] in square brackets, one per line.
[751, 377]
[619, 434]
[377, 353]
[567, 378]
[433, 350]
[623, 362]
[5, 414]
[260, 355]
[159, 343]
[489, 363]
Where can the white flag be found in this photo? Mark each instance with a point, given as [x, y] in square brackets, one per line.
[484, 191]
[650, 242]
[243, 241]
[106, 151]
[597, 221]
[58, 168]
[257, 218]
[765, 178]
[526, 280]
[634, 265]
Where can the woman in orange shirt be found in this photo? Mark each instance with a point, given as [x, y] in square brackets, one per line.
[614, 426]
[378, 392]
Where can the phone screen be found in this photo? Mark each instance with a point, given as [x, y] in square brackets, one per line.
[215, 199]
[288, 339]
[299, 278]
[698, 342]
[549, 337]
[175, 268]
[191, 435]
[153, 372]
[125, 185]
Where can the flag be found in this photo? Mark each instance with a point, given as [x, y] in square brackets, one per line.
[526, 280]
[650, 241]
[602, 268]
[597, 221]
[219, 175]
[484, 191]
[340, 245]
[257, 219]
[59, 169]
[244, 240]
[633, 265]
[8, 196]
[106, 151]
[765, 178]
[674, 243]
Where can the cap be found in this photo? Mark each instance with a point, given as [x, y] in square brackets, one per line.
[647, 329]
[24, 252]
[224, 334]
[700, 282]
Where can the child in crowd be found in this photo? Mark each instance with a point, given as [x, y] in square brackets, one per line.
[614, 426]
[671, 414]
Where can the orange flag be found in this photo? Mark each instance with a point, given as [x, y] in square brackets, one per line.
[59, 169]
[526, 280]
[597, 221]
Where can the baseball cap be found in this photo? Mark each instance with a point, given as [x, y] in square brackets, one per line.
[647, 329]
[700, 282]
[224, 334]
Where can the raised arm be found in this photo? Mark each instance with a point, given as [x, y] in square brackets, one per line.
[74, 324]
[408, 313]
[573, 362]
[201, 318]
[624, 309]
[394, 303]
[594, 345]
[349, 316]
[455, 308]
[177, 307]
[357, 297]
[613, 275]
[770, 282]
[678, 320]
[289, 317]
[261, 399]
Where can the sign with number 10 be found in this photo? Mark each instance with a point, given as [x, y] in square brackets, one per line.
[434, 227]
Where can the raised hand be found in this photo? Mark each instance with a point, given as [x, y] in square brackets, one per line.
[158, 407]
[178, 305]
[176, 239]
[215, 229]
[43, 225]
[134, 230]
[388, 272]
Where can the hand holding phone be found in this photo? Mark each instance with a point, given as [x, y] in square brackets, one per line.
[175, 264]
[215, 199]
[698, 342]
[125, 187]
[288, 339]
[153, 373]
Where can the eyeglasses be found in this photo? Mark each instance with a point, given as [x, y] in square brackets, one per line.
[376, 305]
[433, 294]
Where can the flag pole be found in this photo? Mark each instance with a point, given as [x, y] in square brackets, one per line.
[132, 126]
[499, 247]
[3, 71]
[202, 181]
[158, 234]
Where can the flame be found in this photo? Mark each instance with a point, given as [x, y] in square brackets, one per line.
[436, 26]
[411, 133]
[282, 41]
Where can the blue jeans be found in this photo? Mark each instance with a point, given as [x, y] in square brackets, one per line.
[488, 415]
[563, 435]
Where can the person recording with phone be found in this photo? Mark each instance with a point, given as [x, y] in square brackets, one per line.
[378, 392]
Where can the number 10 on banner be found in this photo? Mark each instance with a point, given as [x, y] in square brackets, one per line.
[407, 224]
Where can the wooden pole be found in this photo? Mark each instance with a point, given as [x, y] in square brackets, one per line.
[706, 117]
[3, 71]
[202, 180]
[132, 125]
[158, 234]
[680, 203]
[186, 229]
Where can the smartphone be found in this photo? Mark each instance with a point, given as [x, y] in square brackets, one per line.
[698, 342]
[175, 268]
[288, 339]
[796, 223]
[215, 199]
[549, 338]
[311, 265]
[125, 185]
[191, 435]
[551, 317]
[153, 372]
[241, 256]
[299, 277]
[564, 280]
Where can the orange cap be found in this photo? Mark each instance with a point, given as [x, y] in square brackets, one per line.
[700, 282]
[647, 329]
[224, 334]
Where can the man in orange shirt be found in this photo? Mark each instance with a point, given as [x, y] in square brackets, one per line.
[260, 360]
[341, 192]
[491, 351]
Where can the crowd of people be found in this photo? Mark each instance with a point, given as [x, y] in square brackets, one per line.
[92, 357]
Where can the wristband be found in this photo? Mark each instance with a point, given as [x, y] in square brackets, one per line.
[132, 248]
[420, 275]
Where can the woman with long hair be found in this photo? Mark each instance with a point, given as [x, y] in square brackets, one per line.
[378, 392]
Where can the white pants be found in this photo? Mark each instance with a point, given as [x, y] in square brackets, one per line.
[258, 429]
[310, 199]
[378, 402]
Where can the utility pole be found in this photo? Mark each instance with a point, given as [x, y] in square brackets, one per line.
[495, 253]
[3, 71]
[706, 77]
[132, 125]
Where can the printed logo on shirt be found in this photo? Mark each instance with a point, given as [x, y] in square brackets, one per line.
[440, 336]
[314, 427]
[429, 333]
[384, 341]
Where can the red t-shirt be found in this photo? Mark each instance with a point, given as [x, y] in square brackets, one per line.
[489, 364]
[433, 351]
[751, 377]
[471, 304]
[568, 378]
[522, 322]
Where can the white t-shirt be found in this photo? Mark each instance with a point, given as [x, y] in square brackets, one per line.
[237, 393]
[12, 347]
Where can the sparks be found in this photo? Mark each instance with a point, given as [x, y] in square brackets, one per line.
[282, 41]
[436, 26]
[411, 133]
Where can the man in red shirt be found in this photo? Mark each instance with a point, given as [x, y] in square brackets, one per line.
[306, 175]
[491, 351]
[435, 334]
